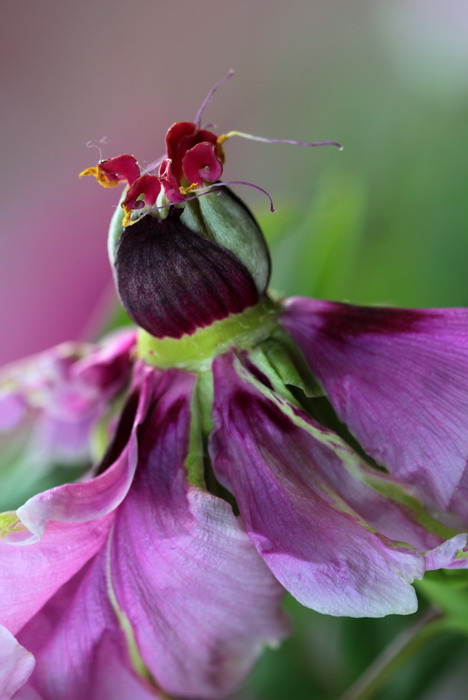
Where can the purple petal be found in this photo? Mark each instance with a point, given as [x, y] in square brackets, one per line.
[112, 677]
[200, 600]
[31, 574]
[16, 664]
[399, 379]
[323, 555]
[444, 556]
[95, 497]
[108, 366]
[79, 647]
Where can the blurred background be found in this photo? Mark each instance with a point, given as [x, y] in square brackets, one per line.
[383, 221]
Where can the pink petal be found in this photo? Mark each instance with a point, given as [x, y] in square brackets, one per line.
[121, 168]
[64, 391]
[177, 133]
[182, 136]
[200, 600]
[31, 574]
[108, 365]
[322, 554]
[16, 664]
[147, 185]
[444, 556]
[113, 678]
[399, 380]
[201, 164]
[13, 409]
[79, 647]
[170, 182]
[87, 500]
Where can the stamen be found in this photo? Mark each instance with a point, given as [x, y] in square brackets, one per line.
[102, 142]
[225, 137]
[248, 184]
[209, 97]
[216, 185]
[100, 176]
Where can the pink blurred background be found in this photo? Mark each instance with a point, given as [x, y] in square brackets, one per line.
[74, 72]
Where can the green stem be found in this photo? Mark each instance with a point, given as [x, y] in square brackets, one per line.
[396, 654]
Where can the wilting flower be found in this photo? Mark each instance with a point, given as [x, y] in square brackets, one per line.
[336, 432]
[58, 398]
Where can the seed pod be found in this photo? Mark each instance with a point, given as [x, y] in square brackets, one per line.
[172, 280]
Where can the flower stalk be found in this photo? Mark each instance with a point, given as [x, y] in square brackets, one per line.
[397, 654]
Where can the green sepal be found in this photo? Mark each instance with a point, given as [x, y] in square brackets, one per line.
[195, 460]
[224, 219]
[205, 393]
[201, 425]
[289, 364]
[196, 352]
[115, 231]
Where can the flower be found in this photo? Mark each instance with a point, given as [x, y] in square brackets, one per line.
[141, 561]
[337, 432]
[57, 398]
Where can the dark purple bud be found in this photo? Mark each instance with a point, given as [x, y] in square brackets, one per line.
[173, 281]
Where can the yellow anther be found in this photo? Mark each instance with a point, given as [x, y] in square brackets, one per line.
[188, 190]
[100, 176]
[224, 137]
[127, 220]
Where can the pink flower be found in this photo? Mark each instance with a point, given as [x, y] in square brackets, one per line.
[144, 565]
[337, 432]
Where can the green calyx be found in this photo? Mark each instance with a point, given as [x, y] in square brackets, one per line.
[220, 217]
[224, 219]
[196, 352]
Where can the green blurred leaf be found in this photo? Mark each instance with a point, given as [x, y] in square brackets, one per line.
[448, 590]
[319, 258]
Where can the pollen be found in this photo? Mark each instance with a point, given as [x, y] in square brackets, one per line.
[127, 220]
[100, 176]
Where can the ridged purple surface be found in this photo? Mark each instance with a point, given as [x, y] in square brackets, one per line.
[173, 281]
